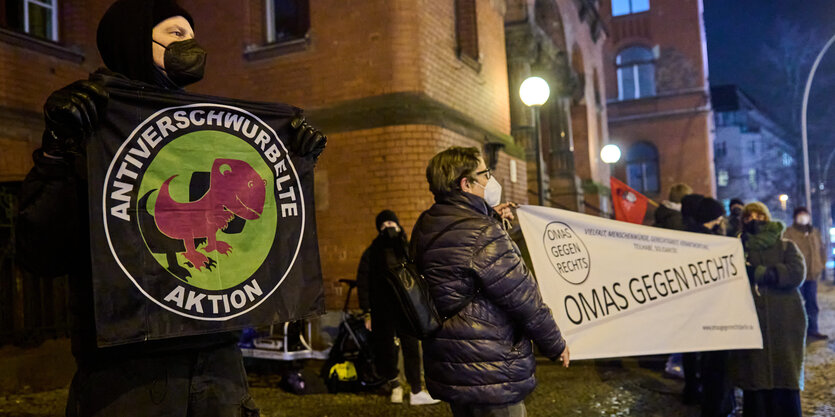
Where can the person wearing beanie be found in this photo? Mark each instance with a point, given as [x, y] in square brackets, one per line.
[735, 219]
[771, 378]
[717, 399]
[668, 214]
[689, 206]
[808, 240]
[706, 216]
[389, 249]
[145, 44]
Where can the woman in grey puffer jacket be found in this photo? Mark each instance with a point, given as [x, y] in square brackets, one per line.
[482, 357]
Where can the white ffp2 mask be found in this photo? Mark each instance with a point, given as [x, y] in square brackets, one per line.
[492, 192]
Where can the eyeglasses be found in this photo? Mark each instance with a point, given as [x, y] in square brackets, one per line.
[488, 171]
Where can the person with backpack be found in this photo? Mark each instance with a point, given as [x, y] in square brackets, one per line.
[481, 360]
[388, 250]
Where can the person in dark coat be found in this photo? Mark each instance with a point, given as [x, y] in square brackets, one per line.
[481, 361]
[690, 361]
[808, 240]
[668, 214]
[717, 389]
[389, 249]
[772, 377]
[146, 43]
[735, 219]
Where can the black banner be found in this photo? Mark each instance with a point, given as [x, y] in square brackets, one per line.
[201, 219]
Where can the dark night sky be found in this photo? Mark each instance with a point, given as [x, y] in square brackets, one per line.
[739, 30]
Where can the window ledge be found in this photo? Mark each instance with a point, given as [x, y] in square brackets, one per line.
[470, 61]
[45, 47]
[256, 52]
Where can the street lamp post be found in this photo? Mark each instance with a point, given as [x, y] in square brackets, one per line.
[534, 92]
[806, 185]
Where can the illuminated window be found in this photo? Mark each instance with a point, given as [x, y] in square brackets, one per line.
[624, 7]
[722, 178]
[38, 18]
[752, 178]
[636, 73]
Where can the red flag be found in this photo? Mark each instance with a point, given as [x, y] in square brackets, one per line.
[630, 205]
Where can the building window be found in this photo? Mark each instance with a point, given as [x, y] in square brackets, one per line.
[38, 18]
[624, 7]
[752, 147]
[642, 168]
[636, 73]
[466, 29]
[722, 178]
[721, 149]
[752, 178]
[787, 160]
[287, 20]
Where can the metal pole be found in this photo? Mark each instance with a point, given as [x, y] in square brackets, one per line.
[540, 189]
[806, 184]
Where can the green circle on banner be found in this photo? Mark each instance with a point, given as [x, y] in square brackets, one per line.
[195, 153]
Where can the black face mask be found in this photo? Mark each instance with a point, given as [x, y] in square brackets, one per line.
[391, 233]
[184, 61]
[754, 226]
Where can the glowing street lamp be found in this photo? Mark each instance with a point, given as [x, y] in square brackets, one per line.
[784, 198]
[534, 92]
[610, 154]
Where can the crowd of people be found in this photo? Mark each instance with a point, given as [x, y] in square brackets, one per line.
[783, 266]
[481, 361]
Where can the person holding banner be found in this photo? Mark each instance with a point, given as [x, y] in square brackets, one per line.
[481, 361]
[717, 389]
[772, 377]
[146, 43]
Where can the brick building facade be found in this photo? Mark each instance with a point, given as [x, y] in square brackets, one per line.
[391, 82]
[658, 94]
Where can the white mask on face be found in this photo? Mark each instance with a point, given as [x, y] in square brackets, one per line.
[803, 219]
[492, 192]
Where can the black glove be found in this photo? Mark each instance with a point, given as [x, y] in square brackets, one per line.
[770, 278]
[72, 114]
[306, 141]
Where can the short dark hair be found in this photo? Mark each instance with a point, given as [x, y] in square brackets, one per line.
[447, 168]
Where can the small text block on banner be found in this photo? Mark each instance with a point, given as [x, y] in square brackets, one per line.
[619, 289]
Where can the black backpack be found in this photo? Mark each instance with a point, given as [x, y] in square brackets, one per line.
[420, 317]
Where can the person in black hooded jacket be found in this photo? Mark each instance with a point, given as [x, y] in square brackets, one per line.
[481, 361]
[717, 389]
[389, 249]
[145, 43]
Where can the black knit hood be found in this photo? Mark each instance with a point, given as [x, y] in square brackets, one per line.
[124, 36]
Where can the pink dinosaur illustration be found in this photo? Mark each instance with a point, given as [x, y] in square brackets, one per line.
[234, 189]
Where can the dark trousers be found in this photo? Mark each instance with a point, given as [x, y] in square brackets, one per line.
[471, 410]
[383, 334]
[771, 403]
[690, 364]
[809, 290]
[717, 389]
[210, 382]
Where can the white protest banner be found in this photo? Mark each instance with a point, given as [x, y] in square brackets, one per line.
[621, 289]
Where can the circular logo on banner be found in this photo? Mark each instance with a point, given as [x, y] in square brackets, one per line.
[567, 253]
[203, 210]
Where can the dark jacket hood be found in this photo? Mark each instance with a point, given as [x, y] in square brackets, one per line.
[124, 36]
